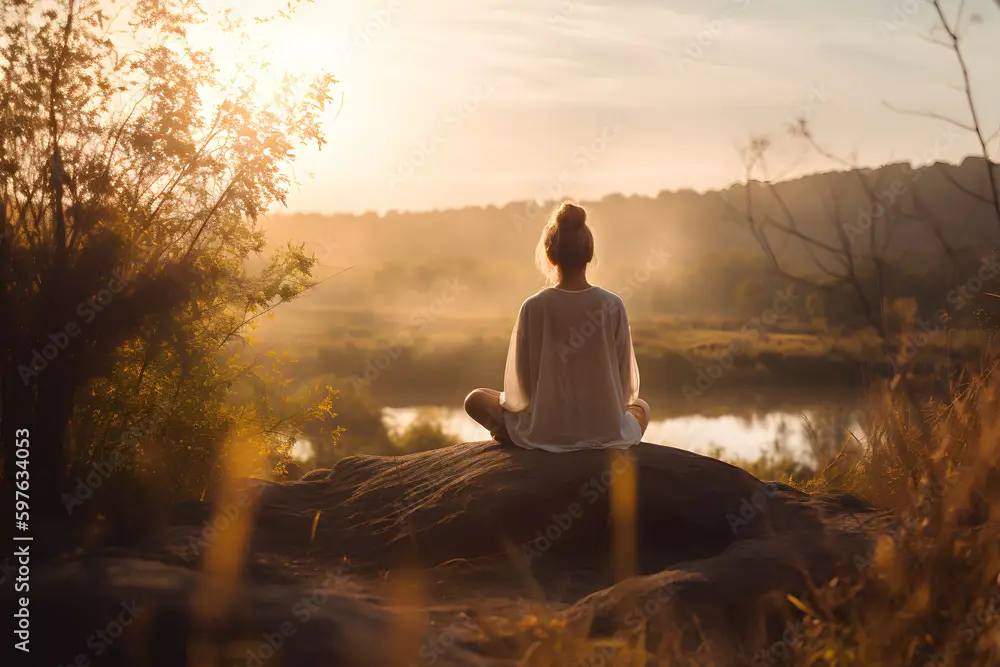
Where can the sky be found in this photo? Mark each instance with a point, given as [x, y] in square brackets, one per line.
[445, 103]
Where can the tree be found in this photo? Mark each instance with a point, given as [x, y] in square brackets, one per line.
[132, 177]
[853, 247]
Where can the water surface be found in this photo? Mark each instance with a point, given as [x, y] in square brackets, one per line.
[737, 436]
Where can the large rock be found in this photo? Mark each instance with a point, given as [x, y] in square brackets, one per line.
[445, 547]
[478, 499]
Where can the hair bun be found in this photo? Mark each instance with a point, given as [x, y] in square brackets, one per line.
[571, 216]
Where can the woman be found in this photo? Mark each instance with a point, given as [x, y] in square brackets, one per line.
[571, 380]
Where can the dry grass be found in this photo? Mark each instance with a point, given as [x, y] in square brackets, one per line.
[931, 593]
[927, 596]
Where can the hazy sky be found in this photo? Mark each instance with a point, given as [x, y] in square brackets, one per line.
[453, 102]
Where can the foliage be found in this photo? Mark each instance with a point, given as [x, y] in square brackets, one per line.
[133, 175]
[355, 428]
[932, 589]
[424, 433]
[777, 465]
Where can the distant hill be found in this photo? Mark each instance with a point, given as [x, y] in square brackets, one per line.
[400, 254]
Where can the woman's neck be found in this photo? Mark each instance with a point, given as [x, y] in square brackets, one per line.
[573, 281]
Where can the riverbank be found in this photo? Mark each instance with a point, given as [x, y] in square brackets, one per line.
[688, 371]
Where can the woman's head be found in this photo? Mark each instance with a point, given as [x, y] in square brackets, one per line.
[567, 244]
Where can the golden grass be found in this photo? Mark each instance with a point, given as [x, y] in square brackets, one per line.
[931, 594]
[928, 594]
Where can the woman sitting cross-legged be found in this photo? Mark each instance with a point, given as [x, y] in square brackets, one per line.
[571, 380]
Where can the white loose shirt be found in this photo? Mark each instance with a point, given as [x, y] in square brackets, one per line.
[571, 373]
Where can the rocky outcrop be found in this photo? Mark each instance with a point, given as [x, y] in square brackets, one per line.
[476, 500]
[444, 548]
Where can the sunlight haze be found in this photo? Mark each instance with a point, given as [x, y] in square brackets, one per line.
[448, 104]
[368, 333]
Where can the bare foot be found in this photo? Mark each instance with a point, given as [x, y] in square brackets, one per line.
[501, 437]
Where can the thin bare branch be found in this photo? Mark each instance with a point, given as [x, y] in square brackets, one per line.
[932, 115]
[933, 41]
[973, 109]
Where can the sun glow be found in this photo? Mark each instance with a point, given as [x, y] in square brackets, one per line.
[268, 43]
[254, 44]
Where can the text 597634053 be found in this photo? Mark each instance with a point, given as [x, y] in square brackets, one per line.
[22, 550]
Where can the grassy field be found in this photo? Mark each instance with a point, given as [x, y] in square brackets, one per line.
[696, 366]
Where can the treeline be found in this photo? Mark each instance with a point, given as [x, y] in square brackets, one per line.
[680, 253]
